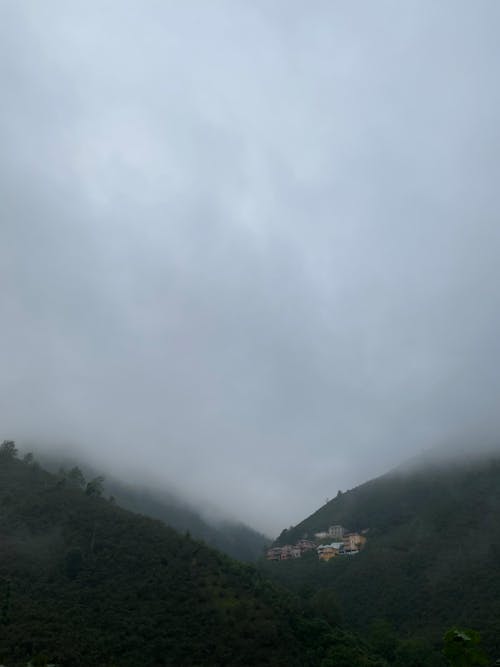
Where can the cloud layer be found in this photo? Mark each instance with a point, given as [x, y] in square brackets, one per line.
[250, 250]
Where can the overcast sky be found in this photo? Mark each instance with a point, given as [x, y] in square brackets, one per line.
[250, 249]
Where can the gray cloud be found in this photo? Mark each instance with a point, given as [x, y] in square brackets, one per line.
[249, 250]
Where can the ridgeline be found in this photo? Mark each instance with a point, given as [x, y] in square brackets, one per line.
[432, 556]
[84, 582]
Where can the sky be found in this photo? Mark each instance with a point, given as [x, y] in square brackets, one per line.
[249, 251]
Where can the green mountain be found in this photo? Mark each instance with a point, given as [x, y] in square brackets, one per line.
[234, 538]
[432, 557]
[84, 582]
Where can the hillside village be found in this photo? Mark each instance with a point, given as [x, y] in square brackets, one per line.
[343, 544]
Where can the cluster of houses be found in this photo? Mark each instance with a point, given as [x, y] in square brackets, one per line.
[342, 544]
[289, 551]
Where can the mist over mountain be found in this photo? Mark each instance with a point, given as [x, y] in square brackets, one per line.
[249, 251]
[85, 582]
[249, 260]
[468, 448]
[214, 527]
[431, 557]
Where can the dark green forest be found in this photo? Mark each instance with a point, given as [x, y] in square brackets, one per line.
[432, 559]
[85, 582]
[233, 538]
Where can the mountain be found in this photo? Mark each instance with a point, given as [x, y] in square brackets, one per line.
[85, 582]
[233, 538]
[432, 556]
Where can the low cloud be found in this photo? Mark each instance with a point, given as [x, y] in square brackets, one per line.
[250, 253]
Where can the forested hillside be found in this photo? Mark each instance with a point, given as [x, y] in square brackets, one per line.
[432, 557]
[233, 538]
[84, 582]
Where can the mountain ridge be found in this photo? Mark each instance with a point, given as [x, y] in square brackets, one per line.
[432, 557]
[86, 582]
[234, 538]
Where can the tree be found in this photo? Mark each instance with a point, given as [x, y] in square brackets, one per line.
[75, 475]
[74, 562]
[8, 449]
[29, 458]
[461, 648]
[95, 486]
[415, 653]
[5, 609]
[324, 603]
[382, 638]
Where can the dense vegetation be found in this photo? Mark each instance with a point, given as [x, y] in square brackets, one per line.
[432, 558]
[233, 538]
[85, 582]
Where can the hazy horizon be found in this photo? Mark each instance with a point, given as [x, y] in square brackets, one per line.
[250, 251]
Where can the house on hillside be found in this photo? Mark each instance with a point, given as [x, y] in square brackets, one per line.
[290, 551]
[328, 551]
[274, 553]
[336, 532]
[286, 552]
[306, 545]
[353, 542]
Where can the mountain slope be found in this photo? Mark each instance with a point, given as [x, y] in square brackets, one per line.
[233, 538]
[432, 558]
[88, 583]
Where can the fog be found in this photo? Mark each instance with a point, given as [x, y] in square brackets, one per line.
[249, 251]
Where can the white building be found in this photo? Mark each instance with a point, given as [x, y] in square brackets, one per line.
[337, 532]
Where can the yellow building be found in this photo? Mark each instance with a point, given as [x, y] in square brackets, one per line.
[354, 541]
[328, 551]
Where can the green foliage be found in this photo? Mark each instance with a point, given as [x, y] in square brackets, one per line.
[85, 582]
[40, 660]
[74, 562]
[8, 449]
[416, 653]
[95, 487]
[233, 538]
[324, 604]
[383, 639]
[5, 602]
[348, 652]
[76, 476]
[461, 648]
[432, 558]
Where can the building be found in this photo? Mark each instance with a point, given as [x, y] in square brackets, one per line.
[286, 552]
[337, 532]
[321, 536]
[305, 545]
[328, 551]
[353, 541]
[274, 553]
